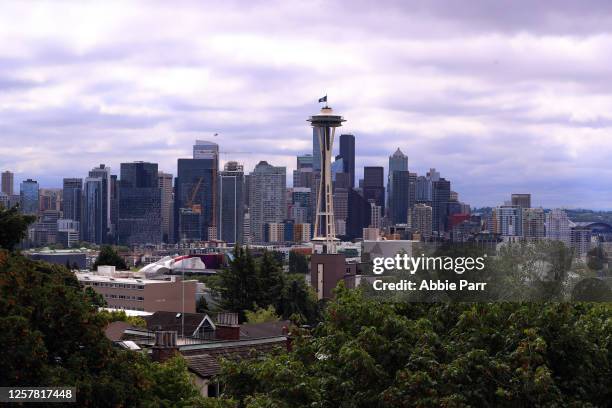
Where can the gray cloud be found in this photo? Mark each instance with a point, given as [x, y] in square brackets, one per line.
[499, 96]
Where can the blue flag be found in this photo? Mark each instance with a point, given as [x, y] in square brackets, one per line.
[323, 99]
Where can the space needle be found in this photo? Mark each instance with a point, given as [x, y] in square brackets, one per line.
[325, 123]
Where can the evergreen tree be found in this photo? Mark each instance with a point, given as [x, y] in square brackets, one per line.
[298, 263]
[271, 280]
[108, 256]
[13, 227]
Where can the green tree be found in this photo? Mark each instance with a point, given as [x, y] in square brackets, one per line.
[238, 286]
[202, 305]
[298, 263]
[298, 299]
[108, 256]
[172, 385]
[13, 227]
[369, 353]
[261, 315]
[270, 279]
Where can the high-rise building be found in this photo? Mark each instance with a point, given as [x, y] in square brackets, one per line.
[521, 200]
[93, 220]
[509, 219]
[49, 199]
[8, 183]
[267, 198]
[231, 203]
[373, 185]
[29, 197]
[403, 197]
[302, 175]
[139, 204]
[68, 232]
[301, 200]
[103, 173]
[73, 198]
[167, 206]
[440, 197]
[206, 150]
[423, 189]
[359, 213]
[114, 207]
[398, 161]
[375, 215]
[533, 224]
[195, 199]
[347, 153]
[316, 151]
[420, 220]
[558, 226]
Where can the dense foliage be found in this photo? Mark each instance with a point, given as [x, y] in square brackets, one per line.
[298, 263]
[13, 226]
[249, 284]
[372, 354]
[108, 256]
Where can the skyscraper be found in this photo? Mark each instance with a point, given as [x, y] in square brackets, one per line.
[103, 173]
[316, 151]
[373, 185]
[167, 207]
[92, 225]
[195, 199]
[398, 161]
[403, 186]
[440, 197]
[267, 198]
[347, 152]
[8, 180]
[206, 150]
[521, 200]
[28, 192]
[139, 204]
[302, 175]
[231, 203]
[73, 198]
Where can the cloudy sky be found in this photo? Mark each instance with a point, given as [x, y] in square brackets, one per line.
[499, 97]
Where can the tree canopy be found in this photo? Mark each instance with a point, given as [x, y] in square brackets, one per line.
[13, 227]
[108, 256]
[367, 353]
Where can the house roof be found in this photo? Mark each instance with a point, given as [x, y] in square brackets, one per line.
[114, 330]
[267, 329]
[203, 359]
[172, 321]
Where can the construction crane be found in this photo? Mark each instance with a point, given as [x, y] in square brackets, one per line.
[195, 207]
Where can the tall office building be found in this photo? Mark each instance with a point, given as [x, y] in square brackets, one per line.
[167, 208]
[103, 173]
[195, 199]
[267, 198]
[206, 150]
[440, 191]
[73, 198]
[231, 203]
[558, 226]
[302, 175]
[533, 224]
[49, 199]
[347, 153]
[398, 161]
[423, 189]
[8, 180]
[316, 151]
[139, 204]
[420, 220]
[403, 197]
[93, 220]
[114, 208]
[359, 211]
[521, 200]
[301, 209]
[28, 192]
[373, 185]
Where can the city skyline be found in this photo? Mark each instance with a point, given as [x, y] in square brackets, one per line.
[511, 100]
